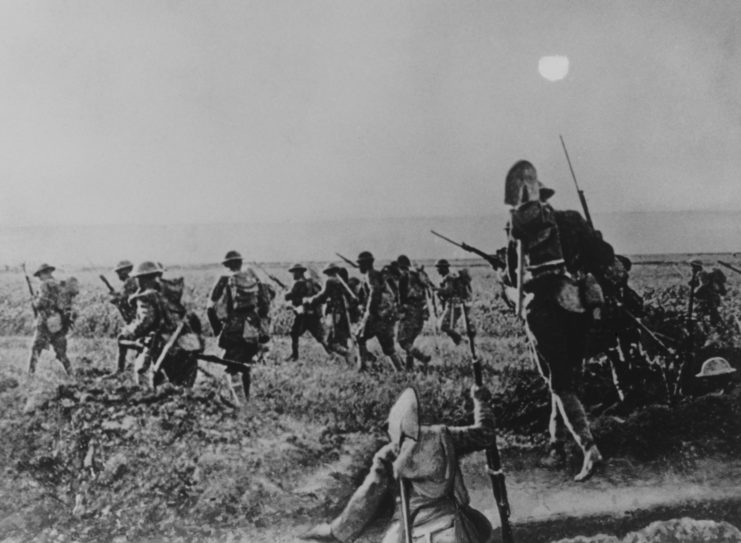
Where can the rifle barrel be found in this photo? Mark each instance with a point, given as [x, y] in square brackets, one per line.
[582, 197]
[729, 266]
[347, 260]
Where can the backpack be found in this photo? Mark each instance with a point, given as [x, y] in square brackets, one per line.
[244, 289]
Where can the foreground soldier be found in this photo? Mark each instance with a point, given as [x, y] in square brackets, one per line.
[157, 318]
[52, 321]
[338, 298]
[454, 293]
[561, 311]
[306, 318]
[426, 460]
[414, 312]
[122, 300]
[380, 316]
[239, 318]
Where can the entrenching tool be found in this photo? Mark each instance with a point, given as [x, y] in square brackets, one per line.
[493, 460]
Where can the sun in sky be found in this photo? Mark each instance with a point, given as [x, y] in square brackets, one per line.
[554, 67]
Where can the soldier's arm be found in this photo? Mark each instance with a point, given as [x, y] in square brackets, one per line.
[375, 280]
[218, 290]
[144, 321]
[323, 295]
[296, 293]
[365, 501]
[482, 434]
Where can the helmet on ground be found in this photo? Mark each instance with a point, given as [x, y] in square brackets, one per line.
[404, 261]
[442, 263]
[231, 256]
[44, 268]
[715, 366]
[331, 267]
[147, 268]
[403, 420]
[297, 268]
[365, 256]
[123, 265]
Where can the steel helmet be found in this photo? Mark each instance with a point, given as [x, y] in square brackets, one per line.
[147, 268]
[404, 261]
[442, 263]
[403, 420]
[44, 268]
[231, 256]
[519, 188]
[297, 268]
[365, 256]
[123, 265]
[331, 267]
[715, 366]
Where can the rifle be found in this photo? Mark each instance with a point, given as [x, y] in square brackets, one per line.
[241, 367]
[30, 290]
[729, 266]
[120, 303]
[347, 260]
[406, 519]
[495, 262]
[271, 276]
[582, 198]
[493, 460]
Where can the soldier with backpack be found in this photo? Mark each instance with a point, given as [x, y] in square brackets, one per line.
[413, 284]
[455, 294]
[381, 313]
[53, 319]
[169, 334]
[238, 311]
[307, 317]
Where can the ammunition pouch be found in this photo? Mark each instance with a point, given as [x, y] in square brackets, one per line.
[572, 295]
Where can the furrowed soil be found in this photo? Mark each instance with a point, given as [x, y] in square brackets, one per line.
[88, 458]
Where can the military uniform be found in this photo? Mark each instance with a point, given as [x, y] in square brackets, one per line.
[337, 297]
[230, 326]
[438, 500]
[379, 319]
[307, 318]
[52, 323]
[413, 286]
[455, 294]
[562, 252]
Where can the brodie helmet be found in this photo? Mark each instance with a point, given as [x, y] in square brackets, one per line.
[331, 267]
[404, 261]
[123, 265]
[522, 185]
[403, 419]
[44, 268]
[715, 366]
[365, 256]
[297, 268]
[231, 256]
[442, 263]
[147, 268]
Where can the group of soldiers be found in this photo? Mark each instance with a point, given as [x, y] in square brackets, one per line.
[563, 279]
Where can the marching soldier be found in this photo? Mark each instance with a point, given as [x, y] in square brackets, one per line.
[52, 321]
[426, 460]
[238, 312]
[560, 248]
[306, 318]
[338, 298]
[157, 318]
[380, 316]
[122, 300]
[454, 293]
[414, 312]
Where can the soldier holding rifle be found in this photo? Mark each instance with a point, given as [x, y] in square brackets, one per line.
[413, 286]
[122, 300]
[424, 461]
[455, 295]
[306, 318]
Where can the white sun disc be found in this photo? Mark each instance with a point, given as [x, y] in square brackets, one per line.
[554, 68]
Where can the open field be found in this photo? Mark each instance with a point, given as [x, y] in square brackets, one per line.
[88, 459]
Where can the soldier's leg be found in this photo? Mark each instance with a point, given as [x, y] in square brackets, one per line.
[410, 326]
[315, 326]
[59, 344]
[297, 329]
[449, 320]
[386, 338]
[122, 352]
[38, 344]
[239, 383]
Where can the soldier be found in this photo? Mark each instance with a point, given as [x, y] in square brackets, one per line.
[306, 318]
[454, 293]
[52, 321]
[159, 315]
[338, 298]
[559, 246]
[380, 316]
[426, 459]
[122, 300]
[238, 310]
[413, 285]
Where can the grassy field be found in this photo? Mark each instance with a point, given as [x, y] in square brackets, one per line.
[94, 459]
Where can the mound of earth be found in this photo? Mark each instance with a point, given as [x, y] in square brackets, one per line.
[683, 530]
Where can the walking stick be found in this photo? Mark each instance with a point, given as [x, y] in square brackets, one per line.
[493, 460]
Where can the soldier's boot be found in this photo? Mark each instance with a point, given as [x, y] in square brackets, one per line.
[396, 361]
[32, 361]
[293, 357]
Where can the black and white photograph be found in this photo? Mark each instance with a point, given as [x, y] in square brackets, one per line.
[424, 271]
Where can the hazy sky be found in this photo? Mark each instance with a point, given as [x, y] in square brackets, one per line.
[183, 111]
